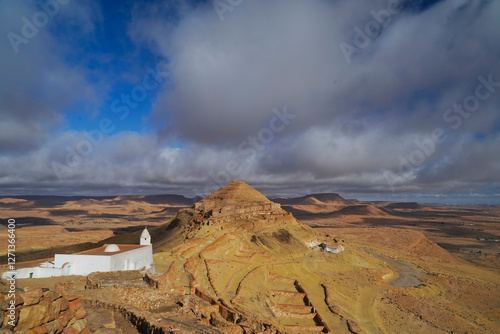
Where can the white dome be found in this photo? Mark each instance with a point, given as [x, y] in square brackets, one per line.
[145, 233]
[112, 248]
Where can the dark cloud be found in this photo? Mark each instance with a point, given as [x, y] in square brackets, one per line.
[354, 119]
[228, 75]
[37, 85]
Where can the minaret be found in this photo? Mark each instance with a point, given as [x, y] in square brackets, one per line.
[145, 237]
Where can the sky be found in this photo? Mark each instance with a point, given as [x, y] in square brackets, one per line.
[372, 99]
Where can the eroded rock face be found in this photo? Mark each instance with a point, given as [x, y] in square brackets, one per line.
[46, 311]
[235, 199]
[231, 203]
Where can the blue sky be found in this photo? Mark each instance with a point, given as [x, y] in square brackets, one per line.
[381, 99]
[110, 53]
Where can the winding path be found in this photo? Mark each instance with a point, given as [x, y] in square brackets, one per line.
[407, 277]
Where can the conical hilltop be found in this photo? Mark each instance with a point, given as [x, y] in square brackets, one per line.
[235, 198]
[235, 192]
[237, 207]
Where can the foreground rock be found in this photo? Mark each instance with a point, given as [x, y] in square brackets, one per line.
[44, 311]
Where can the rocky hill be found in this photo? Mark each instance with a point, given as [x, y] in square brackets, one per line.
[239, 208]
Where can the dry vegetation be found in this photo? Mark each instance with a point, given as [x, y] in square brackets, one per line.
[406, 268]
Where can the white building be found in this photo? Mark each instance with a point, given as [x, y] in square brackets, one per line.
[331, 248]
[106, 258]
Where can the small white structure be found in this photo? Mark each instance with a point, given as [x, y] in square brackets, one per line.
[106, 258]
[145, 237]
[332, 248]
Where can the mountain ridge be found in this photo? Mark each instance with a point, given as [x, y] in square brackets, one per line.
[313, 199]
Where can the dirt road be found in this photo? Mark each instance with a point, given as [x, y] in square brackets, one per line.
[406, 277]
[407, 274]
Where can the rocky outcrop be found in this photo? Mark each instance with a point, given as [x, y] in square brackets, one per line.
[234, 212]
[238, 209]
[237, 199]
[138, 318]
[45, 311]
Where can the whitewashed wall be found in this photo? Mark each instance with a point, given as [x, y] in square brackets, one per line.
[36, 271]
[134, 259]
[83, 264]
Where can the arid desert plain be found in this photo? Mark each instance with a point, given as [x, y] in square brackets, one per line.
[237, 262]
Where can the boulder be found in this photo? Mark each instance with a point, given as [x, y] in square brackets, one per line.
[32, 316]
[32, 296]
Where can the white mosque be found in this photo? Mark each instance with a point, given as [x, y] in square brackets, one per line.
[106, 258]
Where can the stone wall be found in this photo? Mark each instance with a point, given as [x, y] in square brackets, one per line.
[252, 208]
[129, 278]
[236, 209]
[224, 311]
[142, 320]
[352, 326]
[44, 311]
[317, 318]
[202, 215]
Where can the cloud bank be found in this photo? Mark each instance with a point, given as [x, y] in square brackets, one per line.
[361, 121]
